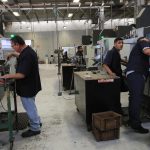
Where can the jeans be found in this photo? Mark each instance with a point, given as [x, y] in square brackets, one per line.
[30, 107]
[135, 83]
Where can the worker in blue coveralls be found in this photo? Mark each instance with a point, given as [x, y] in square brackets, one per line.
[137, 72]
[112, 65]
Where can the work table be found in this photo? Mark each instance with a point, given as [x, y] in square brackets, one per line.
[96, 93]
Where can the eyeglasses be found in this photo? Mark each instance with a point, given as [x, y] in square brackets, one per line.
[13, 45]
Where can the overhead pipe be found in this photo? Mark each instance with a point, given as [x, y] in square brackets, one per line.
[51, 8]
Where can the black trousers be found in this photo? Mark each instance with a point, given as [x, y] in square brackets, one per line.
[136, 83]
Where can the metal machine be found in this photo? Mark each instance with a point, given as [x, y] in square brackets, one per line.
[5, 47]
[7, 115]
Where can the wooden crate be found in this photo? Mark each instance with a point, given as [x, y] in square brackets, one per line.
[106, 120]
[106, 135]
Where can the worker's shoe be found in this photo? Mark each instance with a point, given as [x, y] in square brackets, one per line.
[140, 129]
[30, 133]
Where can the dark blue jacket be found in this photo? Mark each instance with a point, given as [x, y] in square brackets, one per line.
[138, 61]
[113, 60]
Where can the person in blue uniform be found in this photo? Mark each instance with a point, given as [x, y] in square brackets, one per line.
[28, 82]
[79, 56]
[112, 63]
[136, 72]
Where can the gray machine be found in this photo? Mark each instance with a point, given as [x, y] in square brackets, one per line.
[5, 47]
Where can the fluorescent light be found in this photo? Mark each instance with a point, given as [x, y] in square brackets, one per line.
[103, 3]
[67, 22]
[76, 1]
[16, 13]
[23, 22]
[70, 15]
[4, 0]
[79, 4]
[106, 6]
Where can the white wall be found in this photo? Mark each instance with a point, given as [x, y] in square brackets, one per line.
[50, 26]
[45, 42]
[44, 34]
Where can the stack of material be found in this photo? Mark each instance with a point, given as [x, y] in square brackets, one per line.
[106, 125]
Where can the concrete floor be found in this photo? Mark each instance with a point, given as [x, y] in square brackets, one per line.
[63, 127]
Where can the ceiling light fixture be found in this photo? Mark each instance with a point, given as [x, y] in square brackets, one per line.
[106, 6]
[64, 27]
[67, 22]
[79, 4]
[126, 2]
[23, 22]
[111, 2]
[91, 4]
[70, 15]
[76, 1]
[16, 13]
[103, 3]
[4, 1]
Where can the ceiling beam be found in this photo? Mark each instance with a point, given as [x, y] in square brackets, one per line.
[9, 10]
[37, 18]
[33, 11]
[83, 13]
[26, 15]
[46, 11]
[60, 13]
[65, 14]
[51, 7]
[75, 13]
[17, 3]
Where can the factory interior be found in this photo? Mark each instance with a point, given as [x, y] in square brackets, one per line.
[58, 60]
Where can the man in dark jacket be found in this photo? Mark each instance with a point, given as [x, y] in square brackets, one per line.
[112, 64]
[79, 56]
[112, 61]
[28, 82]
[136, 72]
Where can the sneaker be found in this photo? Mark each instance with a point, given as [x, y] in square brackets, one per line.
[140, 129]
[30, 133]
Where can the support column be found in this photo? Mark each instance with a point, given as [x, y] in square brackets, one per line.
[101, 18]
[137, 7]
[1, 26]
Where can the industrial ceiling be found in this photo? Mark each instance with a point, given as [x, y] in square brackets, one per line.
[50, 10]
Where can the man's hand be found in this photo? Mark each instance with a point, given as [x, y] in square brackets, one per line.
[6, 76]
[2, 81]
[13, 76]
[13, 54]
[112, 74]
